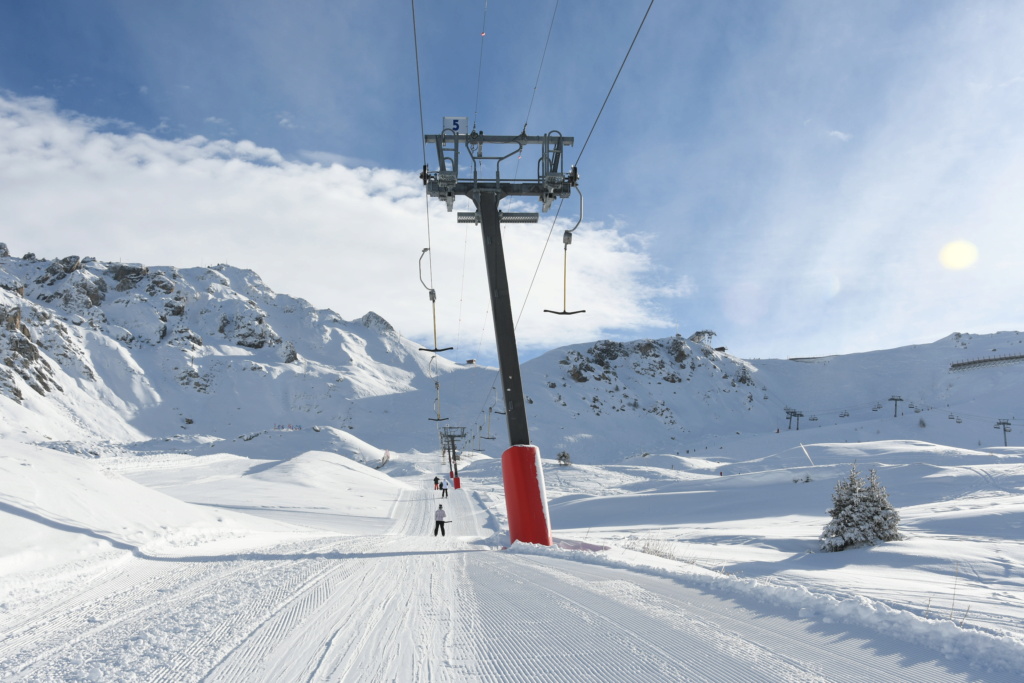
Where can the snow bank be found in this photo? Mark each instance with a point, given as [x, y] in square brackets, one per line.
[75, 505]
[985, 650]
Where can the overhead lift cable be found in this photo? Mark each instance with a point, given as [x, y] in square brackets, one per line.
[426, 197]
[476, 109]
[540, 68]
[426, 251]
[480, 66]
[419, 93]
[614, 81]
[567, 235]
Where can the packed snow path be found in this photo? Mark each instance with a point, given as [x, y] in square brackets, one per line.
[406, 606]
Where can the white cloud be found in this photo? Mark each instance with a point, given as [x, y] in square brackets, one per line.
[343, 238]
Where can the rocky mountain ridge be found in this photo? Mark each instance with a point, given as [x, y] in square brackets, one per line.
[148, 341]
[94, 351]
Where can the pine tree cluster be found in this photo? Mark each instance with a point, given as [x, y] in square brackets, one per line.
[861, 514]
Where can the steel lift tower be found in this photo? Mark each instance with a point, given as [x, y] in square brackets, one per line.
[523, 477]
[449, 446]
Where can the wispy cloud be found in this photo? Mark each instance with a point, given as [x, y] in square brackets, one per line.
[346, 238]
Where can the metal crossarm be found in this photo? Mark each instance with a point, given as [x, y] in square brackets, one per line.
[503, 217]
[448, 181]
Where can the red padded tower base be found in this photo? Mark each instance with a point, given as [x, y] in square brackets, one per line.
[525, 498]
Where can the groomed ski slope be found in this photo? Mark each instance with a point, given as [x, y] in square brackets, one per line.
[402, 605]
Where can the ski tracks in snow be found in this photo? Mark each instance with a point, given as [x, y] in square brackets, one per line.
[540, 623]
[410, 607]
[386, 617]
[357, 608]
[158, 620]
[390, 616]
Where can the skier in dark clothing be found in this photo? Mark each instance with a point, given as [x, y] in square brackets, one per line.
[437, 480]
[439, 522]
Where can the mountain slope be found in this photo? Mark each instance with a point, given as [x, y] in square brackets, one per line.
[128, 352]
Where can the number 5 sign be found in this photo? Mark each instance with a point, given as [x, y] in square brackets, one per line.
[457, 124]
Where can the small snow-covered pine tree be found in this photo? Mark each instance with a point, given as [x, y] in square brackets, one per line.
[842, 531]
[885, 519]
[861, 514]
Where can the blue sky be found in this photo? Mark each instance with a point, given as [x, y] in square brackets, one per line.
[803, 178]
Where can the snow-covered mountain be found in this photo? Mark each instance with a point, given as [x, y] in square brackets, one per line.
[677, 395]
[115, 352]
[99, 352]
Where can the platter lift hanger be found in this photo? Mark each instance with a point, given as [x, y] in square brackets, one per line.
[433, 304]
[437, 391]
[435, 350]
[490, 411]
[566, 241]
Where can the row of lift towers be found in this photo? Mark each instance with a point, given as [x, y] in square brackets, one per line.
[522, 476]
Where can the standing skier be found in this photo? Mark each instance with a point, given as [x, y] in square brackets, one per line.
[444, 488]
[439, 516]
[436, 482]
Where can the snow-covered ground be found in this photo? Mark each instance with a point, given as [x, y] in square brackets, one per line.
[202, 479]
[142, 565]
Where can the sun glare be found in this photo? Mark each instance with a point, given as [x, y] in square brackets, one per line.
[958, 255]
